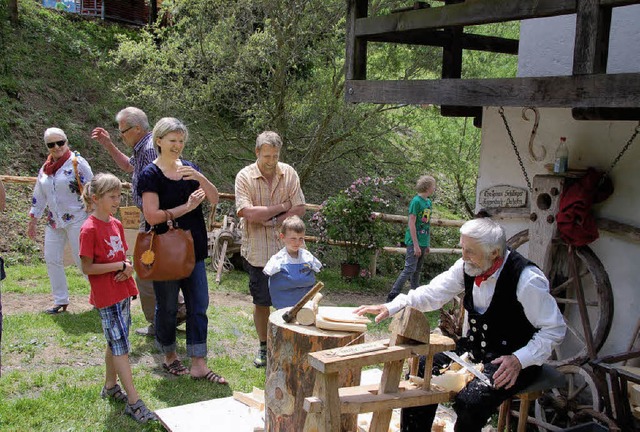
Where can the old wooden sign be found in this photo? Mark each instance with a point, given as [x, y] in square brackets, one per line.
[503, 196]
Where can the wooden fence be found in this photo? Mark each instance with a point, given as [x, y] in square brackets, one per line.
[618, 229]
[391, 218]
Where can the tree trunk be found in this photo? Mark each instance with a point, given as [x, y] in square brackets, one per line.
[290, 378]
[13, 12]
[153, 11]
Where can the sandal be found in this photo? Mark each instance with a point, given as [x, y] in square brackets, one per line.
[139, 412]
[114, 393]
[175, 368]
[213, 377]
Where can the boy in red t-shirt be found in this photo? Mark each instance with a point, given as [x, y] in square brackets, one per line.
[103, 254]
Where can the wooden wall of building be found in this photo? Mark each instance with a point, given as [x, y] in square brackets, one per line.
[126, 11]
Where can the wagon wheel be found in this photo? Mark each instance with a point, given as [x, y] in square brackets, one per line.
[598, 299]
[560, 408]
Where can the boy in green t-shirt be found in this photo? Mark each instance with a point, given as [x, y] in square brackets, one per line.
[417, 235]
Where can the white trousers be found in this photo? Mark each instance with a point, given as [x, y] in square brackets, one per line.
[54, 242]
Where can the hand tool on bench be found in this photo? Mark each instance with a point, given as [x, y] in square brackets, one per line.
[291, 313]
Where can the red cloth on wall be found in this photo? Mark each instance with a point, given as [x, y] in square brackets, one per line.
[576, 222]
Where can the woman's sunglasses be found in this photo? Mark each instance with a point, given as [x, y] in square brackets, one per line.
[56, 143]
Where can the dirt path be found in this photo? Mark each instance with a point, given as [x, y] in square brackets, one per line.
[13, 303]
[52, 356]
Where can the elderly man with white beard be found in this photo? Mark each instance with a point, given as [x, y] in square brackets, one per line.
[514, 323]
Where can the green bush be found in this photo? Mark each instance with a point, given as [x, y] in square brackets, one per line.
[349, 217]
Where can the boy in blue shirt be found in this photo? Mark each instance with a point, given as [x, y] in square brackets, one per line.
[417, 235]
[291, 270]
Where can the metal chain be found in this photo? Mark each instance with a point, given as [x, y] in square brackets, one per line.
[515, 149]
[624, 149]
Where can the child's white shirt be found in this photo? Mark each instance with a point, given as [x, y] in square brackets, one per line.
[282, 257]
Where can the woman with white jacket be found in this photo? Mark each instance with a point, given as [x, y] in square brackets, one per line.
[59, 189]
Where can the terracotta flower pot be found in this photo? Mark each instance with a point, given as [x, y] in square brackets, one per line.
[349, 271]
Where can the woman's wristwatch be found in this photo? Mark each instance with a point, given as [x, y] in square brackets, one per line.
[124, 266]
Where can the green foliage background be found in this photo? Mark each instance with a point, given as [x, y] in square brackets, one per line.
[231, 70]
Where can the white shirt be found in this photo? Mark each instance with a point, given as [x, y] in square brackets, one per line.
[282, 257]
[58, 192]
[532, 292]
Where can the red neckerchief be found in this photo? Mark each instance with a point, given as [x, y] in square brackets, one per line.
[50, 166]
[484, 276]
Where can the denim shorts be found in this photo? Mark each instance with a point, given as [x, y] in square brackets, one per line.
[116, 320]
[258, 284]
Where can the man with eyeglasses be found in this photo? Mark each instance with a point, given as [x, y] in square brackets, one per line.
[135, 133]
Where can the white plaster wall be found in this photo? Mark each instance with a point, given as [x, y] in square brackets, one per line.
[546, 49]
[546, 44]
[593, 143]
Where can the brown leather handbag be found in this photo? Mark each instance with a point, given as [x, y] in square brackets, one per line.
[163, 257]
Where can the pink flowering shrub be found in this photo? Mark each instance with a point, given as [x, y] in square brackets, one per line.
[349, 216]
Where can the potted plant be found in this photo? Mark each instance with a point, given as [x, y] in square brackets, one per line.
[348, 218]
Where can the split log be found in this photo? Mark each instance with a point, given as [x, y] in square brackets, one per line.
[325, 324]
[307, 315]
[290, 378]
[342, 314]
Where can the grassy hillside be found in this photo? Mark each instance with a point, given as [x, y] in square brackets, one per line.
[50, 75]
[55, 70]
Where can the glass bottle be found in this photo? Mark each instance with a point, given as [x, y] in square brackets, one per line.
[560, 164]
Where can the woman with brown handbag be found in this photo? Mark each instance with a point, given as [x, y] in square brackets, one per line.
[173, 190]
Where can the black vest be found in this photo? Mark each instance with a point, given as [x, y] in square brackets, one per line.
[503, 328]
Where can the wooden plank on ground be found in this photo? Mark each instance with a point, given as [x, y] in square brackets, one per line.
[255, 399]
[225, 414]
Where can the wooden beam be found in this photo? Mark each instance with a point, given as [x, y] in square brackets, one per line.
[460, 111]
[441, 38]
[600, 90]
[356, 48]
[452, 65]
[610, 114]
[592, 38]
[452, 54]
[414, 6]
[617, 3]
[471, 12]
[590, 54]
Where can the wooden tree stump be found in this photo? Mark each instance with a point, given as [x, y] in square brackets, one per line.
[290, 378]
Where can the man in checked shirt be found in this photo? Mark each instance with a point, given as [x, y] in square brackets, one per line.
[267, 192]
